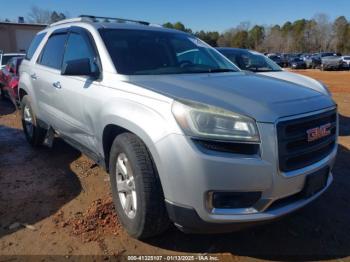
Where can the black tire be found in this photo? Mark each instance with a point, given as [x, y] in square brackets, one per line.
[35, 137]
[151, 217]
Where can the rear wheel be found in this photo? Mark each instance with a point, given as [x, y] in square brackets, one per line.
[34, 134]
[136, 189]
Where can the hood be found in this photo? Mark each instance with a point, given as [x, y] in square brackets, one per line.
[298, 79]
[263, 98]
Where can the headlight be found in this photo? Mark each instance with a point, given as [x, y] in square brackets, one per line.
[203, 121]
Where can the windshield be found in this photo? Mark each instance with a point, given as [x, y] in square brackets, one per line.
[147, 52]
[251, 61]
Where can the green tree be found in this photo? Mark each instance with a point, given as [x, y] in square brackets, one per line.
[240, 40]
[210, 38]
[178, 26]
[298, 33]
[168, 25]
[286, 28]
[256, 37]
[341, 36]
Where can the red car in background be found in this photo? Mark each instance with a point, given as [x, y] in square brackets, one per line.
[9, 77]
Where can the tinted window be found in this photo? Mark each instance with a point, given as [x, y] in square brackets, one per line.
[147, 52]
[34, 45]
[52, 54]
[79, 48]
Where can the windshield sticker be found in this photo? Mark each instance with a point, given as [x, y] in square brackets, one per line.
[254, 52]
[197, 42]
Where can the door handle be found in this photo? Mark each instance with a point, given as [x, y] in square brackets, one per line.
[56, 85]
[34, 76]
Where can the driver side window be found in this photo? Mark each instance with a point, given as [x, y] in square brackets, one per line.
[78, 48]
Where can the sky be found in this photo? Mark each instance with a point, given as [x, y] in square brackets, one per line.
[218, 15]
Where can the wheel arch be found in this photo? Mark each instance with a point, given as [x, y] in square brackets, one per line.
[111, 131]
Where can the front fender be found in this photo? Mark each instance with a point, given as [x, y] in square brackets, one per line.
[149, 122]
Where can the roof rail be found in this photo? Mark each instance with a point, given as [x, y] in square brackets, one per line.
[92, 18]
[70, 20]
[115, 19]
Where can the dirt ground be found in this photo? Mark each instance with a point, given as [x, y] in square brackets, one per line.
[57, 202]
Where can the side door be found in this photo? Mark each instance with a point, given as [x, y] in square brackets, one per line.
[47, 73]
[73, 97]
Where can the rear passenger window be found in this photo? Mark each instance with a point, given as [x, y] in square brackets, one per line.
[52, 54]
[34, 45]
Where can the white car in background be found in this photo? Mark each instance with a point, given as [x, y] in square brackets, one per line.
[256, 62]
[346, 60]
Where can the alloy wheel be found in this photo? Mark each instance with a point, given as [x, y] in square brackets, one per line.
[126, 186]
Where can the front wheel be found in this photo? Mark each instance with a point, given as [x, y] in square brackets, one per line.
[34, 134]
[136, 188]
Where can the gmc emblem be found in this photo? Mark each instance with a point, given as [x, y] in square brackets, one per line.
[318, 132]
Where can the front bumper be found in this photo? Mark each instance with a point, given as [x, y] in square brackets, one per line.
[188, 220]
[187, 175]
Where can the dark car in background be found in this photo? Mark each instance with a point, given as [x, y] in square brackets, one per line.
[285, 60]
[249, 60]
[297, 63]
[9, 77]
[277, 59]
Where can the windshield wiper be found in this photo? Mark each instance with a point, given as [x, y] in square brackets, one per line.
[265, 71]
[219, 70]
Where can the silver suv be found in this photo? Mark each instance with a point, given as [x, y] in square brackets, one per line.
[185, 135]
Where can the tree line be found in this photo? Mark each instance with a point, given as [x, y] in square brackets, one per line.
[314, 35]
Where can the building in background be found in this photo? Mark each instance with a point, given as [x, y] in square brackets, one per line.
[16, 37]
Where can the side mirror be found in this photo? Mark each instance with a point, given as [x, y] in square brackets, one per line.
[78, 67]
